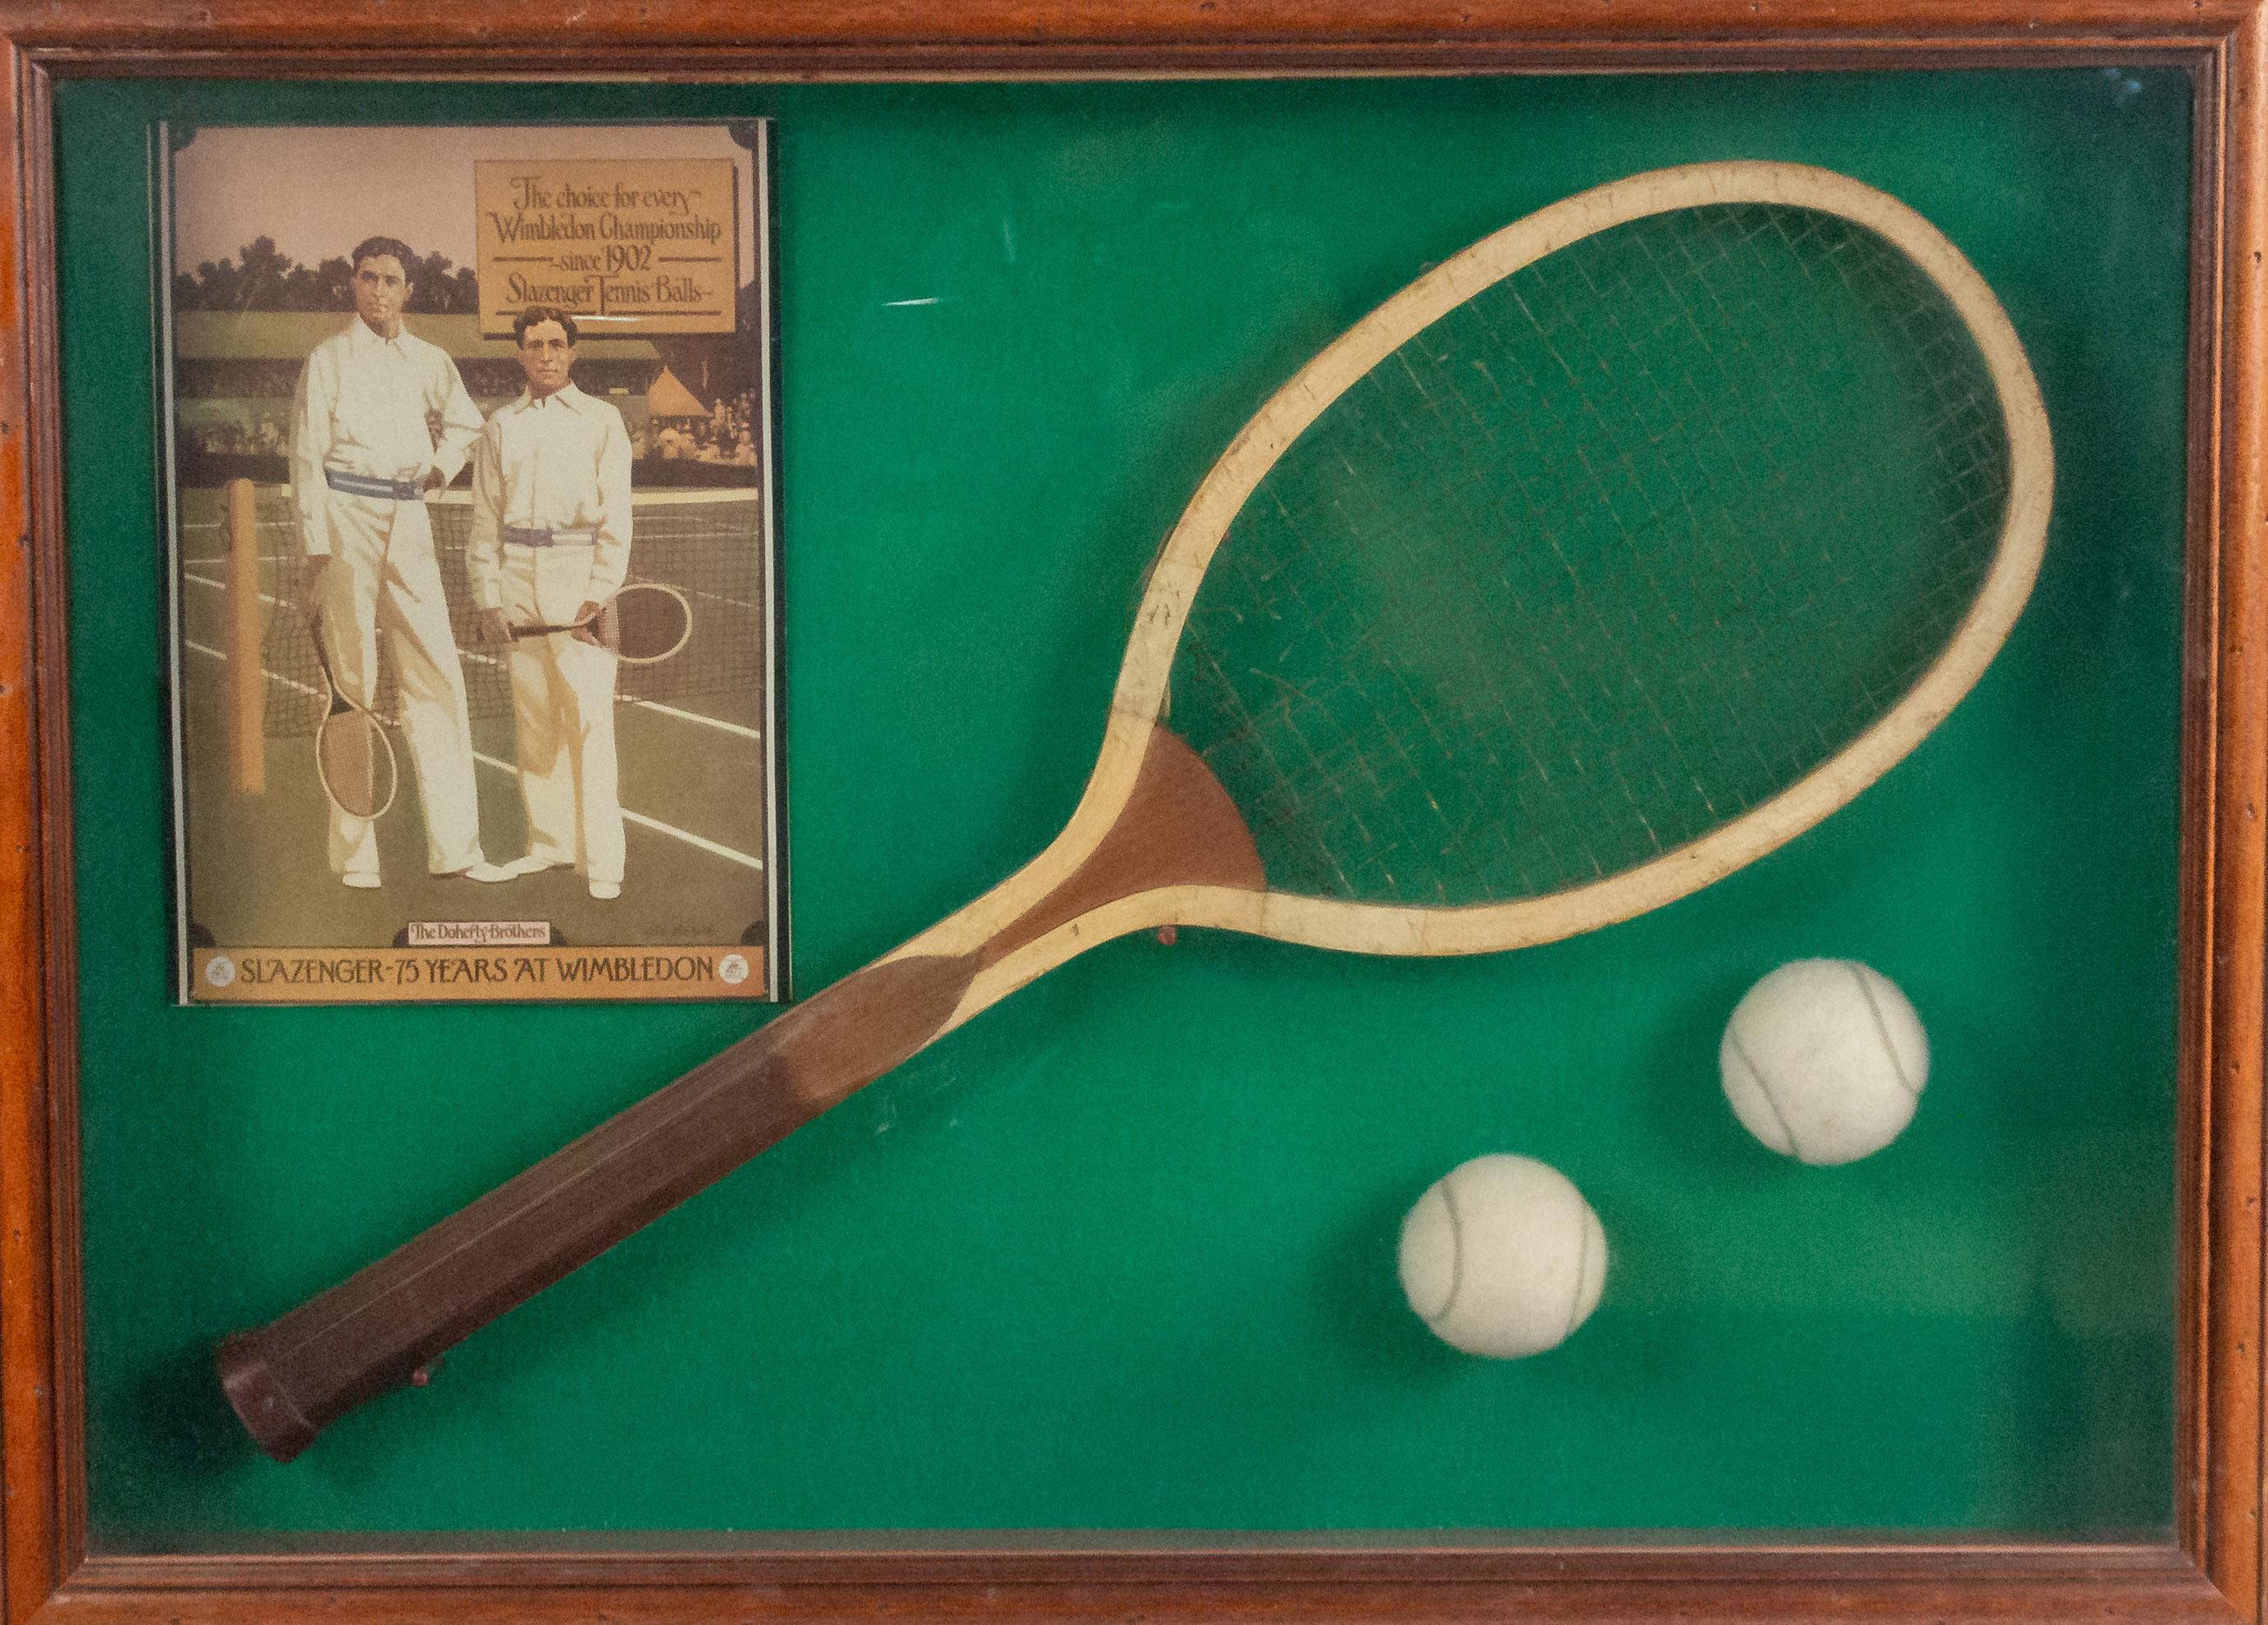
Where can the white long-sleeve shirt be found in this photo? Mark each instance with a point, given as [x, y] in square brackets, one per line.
[559, 464]
[391, 408]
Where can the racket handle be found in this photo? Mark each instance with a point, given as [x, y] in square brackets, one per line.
[378, 1330]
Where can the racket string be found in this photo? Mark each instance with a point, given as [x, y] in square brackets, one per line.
[1628, 542]
[357, 762]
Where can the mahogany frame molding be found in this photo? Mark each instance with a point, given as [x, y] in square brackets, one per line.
[2213, 1567]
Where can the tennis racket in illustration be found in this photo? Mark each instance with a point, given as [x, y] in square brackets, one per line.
[645, 623]
[1601, 560]
[353, 757]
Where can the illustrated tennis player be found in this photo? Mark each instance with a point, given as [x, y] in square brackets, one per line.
[549, 545]
[380, 420]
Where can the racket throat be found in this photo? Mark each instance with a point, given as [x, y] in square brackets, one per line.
[1178, 828]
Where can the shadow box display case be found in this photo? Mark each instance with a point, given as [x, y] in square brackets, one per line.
[1518, 753]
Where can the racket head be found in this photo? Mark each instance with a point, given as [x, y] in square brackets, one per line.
[645, 623]
[354, 759]
[1876, 262]
[356, 762]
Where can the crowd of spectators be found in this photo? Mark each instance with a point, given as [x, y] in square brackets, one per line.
[263, 437]
[727, 435]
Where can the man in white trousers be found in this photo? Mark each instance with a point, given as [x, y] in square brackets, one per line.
[549, 545]
[380, 420]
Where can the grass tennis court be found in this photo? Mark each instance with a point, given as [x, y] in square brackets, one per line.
[690, 732]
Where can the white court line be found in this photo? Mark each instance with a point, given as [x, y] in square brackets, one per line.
[714, 847]
[273, 677]
[717, 722]
[222, 586]
[685, 836]
[695, 716]
[725, 598]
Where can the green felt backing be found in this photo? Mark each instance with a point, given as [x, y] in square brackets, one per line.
[1121, 1253]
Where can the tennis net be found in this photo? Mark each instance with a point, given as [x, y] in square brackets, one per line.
[707, 544]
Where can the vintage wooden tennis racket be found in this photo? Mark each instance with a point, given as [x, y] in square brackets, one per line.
[645, 623]
[353, 757]
[1599, 561]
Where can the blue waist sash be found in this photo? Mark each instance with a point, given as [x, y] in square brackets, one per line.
[539, 536]
[373, 485]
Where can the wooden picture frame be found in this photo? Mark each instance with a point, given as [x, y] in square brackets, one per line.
[2213, 1568]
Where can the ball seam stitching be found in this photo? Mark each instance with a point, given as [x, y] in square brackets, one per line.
[1457, 1256]
[1882, 1031]
[1764, 1088]
[1582, 1259]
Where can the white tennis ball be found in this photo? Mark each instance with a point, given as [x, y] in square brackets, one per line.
[1824, 1061]
[1503, 1257]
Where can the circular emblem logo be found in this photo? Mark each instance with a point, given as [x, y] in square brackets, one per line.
[734, 968]
[220, 970]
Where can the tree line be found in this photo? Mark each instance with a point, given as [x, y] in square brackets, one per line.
[260, 277]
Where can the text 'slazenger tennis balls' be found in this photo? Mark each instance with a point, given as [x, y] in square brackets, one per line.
[1824, 1061]
[1503, 1257]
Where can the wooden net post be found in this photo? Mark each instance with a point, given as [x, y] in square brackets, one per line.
[247, 743]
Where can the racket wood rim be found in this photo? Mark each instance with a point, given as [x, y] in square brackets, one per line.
[385, 748]
[1398, 931]
[684, 623]
[341, 704]
[659, 588]
[1178, 571]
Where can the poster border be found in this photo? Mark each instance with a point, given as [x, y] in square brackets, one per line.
[163, 149]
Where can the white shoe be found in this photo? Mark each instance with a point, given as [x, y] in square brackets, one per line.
[606, 891]
[361, 879]
[486, 873]
[531, 864]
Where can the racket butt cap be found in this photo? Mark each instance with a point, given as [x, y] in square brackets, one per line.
[267, 1411]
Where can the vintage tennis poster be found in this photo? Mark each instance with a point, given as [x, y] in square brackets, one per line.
[470, 438]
